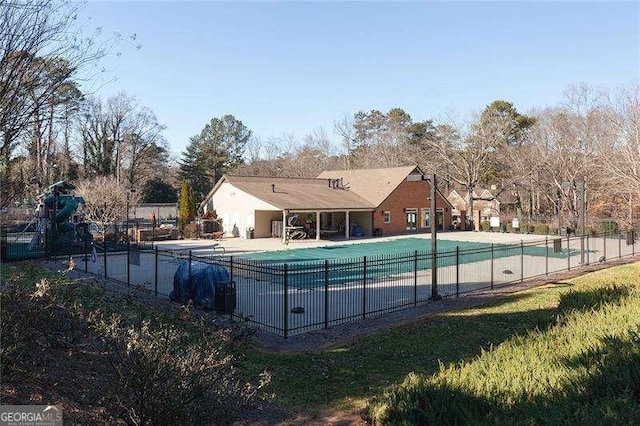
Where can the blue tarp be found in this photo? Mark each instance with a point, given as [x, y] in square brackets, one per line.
[206, 280]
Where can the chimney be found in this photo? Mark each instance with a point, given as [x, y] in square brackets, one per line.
[273, 187]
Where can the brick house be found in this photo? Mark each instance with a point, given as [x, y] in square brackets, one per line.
[338, 203]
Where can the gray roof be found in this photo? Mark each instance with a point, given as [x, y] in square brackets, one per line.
[374, 185]
[297, 193]
[363, 189]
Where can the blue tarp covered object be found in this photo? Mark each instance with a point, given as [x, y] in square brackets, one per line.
[201, 288]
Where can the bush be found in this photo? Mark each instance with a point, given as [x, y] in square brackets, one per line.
[541, 228]
[34, 321]
[94, 347]
[191, 230]
[485, 226]
[171, 376]
[609, 227]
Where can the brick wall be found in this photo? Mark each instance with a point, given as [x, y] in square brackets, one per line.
[408, 195]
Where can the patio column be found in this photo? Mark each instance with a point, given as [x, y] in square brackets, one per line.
[317, 226]
[284, 227]
[346, 225]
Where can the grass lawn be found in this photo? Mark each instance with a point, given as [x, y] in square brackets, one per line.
[493, 354]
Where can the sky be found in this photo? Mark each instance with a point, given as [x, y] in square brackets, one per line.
[295, 67]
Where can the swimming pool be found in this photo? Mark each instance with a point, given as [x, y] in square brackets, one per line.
[396, 247]
[313, 267]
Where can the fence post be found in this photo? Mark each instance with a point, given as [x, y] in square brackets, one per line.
[546, 258]
[326, 293]
[619, 245]
[604, 246]
[457, 271]
[189, 271]
[286, 300]
[492, 258]
[231, 268]
[364, 288]
[155, 278]
[568, 252]
[128, 262]
[521, 261]
[415, 278]
[587, 250]
[104, 249]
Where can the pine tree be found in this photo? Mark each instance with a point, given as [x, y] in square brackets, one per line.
[186, 209]
[217, 150]
[192, 203]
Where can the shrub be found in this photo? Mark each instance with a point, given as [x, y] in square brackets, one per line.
[33, 321]
[609, 227]
[191, 230]
[172, 376]
[172, 371]
[485, 226]
[542, 228]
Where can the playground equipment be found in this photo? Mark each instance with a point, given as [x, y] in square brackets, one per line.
[57, 222]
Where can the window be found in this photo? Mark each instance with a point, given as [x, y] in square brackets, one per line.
[387, 217]
[425, 221]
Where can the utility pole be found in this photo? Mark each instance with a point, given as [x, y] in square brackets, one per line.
[434, 239]
[558, 205]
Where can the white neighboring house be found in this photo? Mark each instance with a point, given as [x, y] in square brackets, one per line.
[257, 202]
[238, 209]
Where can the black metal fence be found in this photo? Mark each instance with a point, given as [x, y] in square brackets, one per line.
[296, 297]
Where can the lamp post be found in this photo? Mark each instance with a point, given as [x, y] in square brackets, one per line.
[434, 239]
[558, 193]
[129, 191]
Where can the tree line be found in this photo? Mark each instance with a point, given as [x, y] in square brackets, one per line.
[542, 159]
[50, 130]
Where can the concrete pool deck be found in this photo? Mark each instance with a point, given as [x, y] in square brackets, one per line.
[237, 245]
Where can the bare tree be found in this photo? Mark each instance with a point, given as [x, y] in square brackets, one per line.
[567, 143]
[620, 153]
[343, 127]
[122, 139]
[34, 34]
[105, 200]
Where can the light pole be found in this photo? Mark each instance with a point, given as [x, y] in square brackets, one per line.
[434, 239]
[558, 209]
[129, 191]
